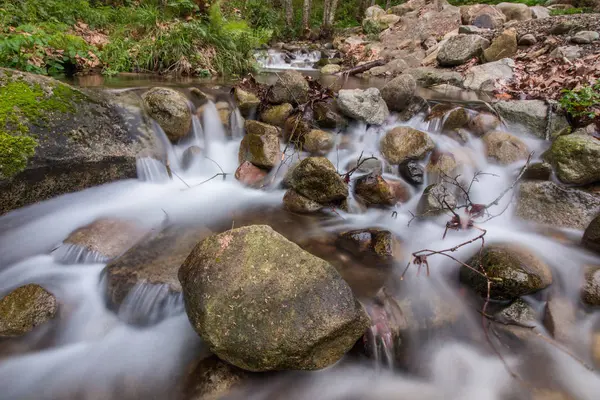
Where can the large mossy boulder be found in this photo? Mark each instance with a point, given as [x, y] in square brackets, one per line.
[291, 87]
[262, 303]
[513, 272]
[57, 139]
[25, 308]
[547, 203]
[404, 143]
[170, 109]
[317, 179]
[575, 159]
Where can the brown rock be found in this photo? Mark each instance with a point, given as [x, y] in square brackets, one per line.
[559, 318]
[373, 190]
[503, 46]
[318, 142]
[25, 308]
[483, 123]
[250, 175]
[504, 147]
[373, 247]
[212, 379]
[296, 203]
[260, 128]
[261, 150]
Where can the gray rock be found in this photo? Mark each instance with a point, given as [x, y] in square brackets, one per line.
[25, 308]
[291, 87]
[546, 203]
[364, 105]
[484, 77]
[514, 271]
[518, 312]
[411, 171]
[461, 48]
[482, 16]
[539, 12]
[238, 283]
[392, 68]
[170, 109]
[591, 236]
[435, 201]
[402, 143]
[585, 37]
[504, 148]
[399, 92]
[428, 76]
[374, 11]
[575, 158]
[530, 117]
[569, 52]
[515, 11]
[527, 40]
[471, 30]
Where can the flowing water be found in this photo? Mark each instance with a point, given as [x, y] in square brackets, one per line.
[90, 352]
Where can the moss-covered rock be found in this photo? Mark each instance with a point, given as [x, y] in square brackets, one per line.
[373, 190]
[517, 312]
[277, 115]
[404, 143]
[575, 159]
[373, 247]
[327, 116]
[56, 139]
[247, 102]
[318, 142]
[296, 203]
[296, 128]
[513, 272]
[317, 179]
[25, 308]
[262, 303]
[170, 109]
[331, 69]
[261, 150]
[504, 148]
[260, 128]
[153, 262]
[291, 87]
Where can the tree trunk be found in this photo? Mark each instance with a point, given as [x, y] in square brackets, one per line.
[289, 13]
[326, 5]
[306, 15]
[332, 9]
[388, 4]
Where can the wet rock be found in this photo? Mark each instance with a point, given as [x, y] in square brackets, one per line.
[590, 293]
[237, 283]
[399, 92]
[107, 237]
[411, 171]
[318, 142]
[546, 203]
[427, 76]
[541, 171]
[518, 312]
[327, 116]
[596, 348]
[503, 46]
[247, 102]
[25, 308]
[574, 158]
[259, 128]
[416, 105]
[435, 200]
[402, 143]
[483, 123]
[504, 148]
[485, 77]
[170, 109]
[461, 48]
[559, 318]
[364, 105]
[212, 379]
[277, 115]
[153, 263]
[585, 37]
[296, 128]
[441, 165]
[531, 116]
[190, 155]
[539, 12]
[482, 16]
[456, 119]
[373, 247]
[527, 40]
[569, 52]
[515, 11]
[591, 236]
[83, 138]
[373, 190]
[367, 166]
[514, 272]
[331, 69]
[261, 150]
[291, 87]
[250, 175]
[317, 179]
[296, 203]
[199, 96]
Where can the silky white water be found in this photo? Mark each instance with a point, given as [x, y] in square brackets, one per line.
[90, 352]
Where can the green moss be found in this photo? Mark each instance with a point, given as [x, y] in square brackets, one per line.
[23, 104]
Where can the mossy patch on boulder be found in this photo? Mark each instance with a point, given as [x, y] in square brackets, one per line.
[262, 303]
[575, 159]
[317, 179]
[277, 115]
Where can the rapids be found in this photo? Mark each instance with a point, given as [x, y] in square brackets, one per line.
[89, 352]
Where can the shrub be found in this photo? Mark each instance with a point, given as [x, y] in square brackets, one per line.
[583, 105]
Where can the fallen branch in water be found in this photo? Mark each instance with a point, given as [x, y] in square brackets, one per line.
[359, 163]
[361, 68]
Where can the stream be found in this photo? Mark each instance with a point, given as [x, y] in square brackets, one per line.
[91, 352]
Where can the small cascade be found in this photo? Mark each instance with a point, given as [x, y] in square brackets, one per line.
[279, 60]
[148, 304]
[150, 169]
[237, 124]
[197, 132]
[71, 254]
[213, 128]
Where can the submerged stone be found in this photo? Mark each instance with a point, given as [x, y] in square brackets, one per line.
[262, 303]
[374, 247]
